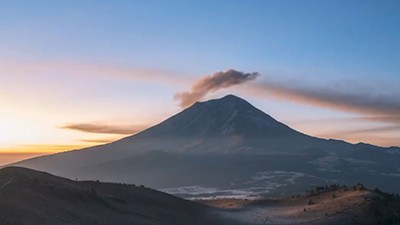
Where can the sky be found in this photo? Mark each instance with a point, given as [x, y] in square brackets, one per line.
[80, 73]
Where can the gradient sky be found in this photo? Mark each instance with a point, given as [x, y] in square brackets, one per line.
[80, 73]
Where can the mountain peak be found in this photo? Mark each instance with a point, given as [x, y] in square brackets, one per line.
[229, 103]
[229, 116]
[231, 97]
[226, 99]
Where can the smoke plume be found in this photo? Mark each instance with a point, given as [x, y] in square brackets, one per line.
[212, 83]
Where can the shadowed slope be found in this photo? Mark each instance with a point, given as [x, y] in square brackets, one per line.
[32, 197]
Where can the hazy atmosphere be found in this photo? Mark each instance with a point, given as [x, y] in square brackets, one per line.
[215, 112]
[77, 74]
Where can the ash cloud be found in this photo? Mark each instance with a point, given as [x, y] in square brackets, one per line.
[212, 83]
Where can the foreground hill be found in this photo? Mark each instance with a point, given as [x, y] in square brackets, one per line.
[227, 144]
[32, 197]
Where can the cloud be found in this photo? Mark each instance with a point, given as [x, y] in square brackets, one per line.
[212, 83]
[373, 104]
[366, 130]
[386, 119]
[162, 76]
[104, 128]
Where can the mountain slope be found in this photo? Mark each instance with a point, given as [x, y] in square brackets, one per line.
[227, 143]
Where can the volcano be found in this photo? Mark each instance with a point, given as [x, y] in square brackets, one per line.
[227, 144]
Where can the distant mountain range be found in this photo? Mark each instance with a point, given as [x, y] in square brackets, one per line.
[227, 147]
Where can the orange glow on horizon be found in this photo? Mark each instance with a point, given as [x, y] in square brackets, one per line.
[40, 149]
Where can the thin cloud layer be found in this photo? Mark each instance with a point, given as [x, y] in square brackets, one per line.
[104, 128]
[167, 77]
[366, 130]
[212, 83]
[374, 105]
[386, 119]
